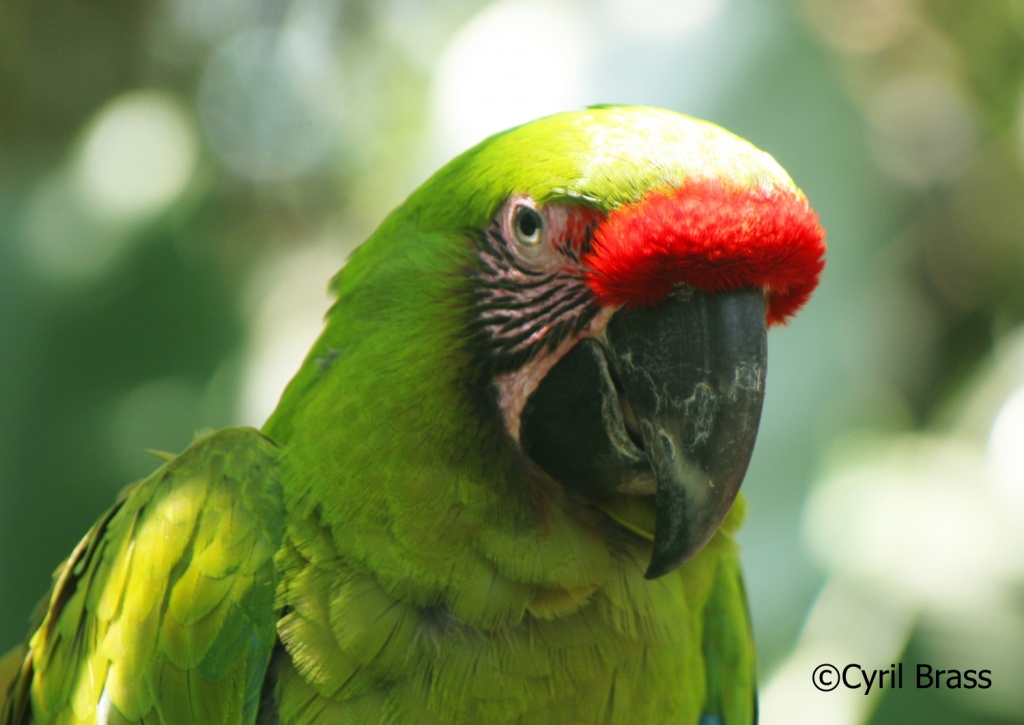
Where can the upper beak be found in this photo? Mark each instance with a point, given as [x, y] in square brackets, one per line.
[667, 403]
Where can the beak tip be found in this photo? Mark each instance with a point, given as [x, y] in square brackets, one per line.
[678, 537]
[656, 570]
[669, 555]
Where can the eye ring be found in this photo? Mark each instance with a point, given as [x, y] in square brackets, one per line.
[528, 226]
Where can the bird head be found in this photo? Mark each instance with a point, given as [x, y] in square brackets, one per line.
[622, 308]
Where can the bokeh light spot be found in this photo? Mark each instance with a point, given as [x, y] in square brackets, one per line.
[138, 154]
[915, 517]
[1006, 449]
[515, 61]
[134, 158]
[269, 102]
[288, 296]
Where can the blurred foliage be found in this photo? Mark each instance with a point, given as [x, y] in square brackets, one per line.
[939, 86]
[178, 180]
[919, 531]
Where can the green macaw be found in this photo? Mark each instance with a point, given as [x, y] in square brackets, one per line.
[503, 485]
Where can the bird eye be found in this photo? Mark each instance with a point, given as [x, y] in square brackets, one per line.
[528, 226]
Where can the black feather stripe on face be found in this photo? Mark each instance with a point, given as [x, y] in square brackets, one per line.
[521, 309]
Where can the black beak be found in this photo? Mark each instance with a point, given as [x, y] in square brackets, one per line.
[667, 405]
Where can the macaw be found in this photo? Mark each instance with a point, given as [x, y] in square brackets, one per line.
[502, 487]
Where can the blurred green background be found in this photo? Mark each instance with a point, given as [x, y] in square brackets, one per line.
[180, 178]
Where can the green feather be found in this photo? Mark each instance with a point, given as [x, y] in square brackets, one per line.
[153, 618]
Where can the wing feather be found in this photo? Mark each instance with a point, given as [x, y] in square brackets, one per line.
[165, 612]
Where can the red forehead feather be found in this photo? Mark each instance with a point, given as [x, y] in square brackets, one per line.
[711, 236]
